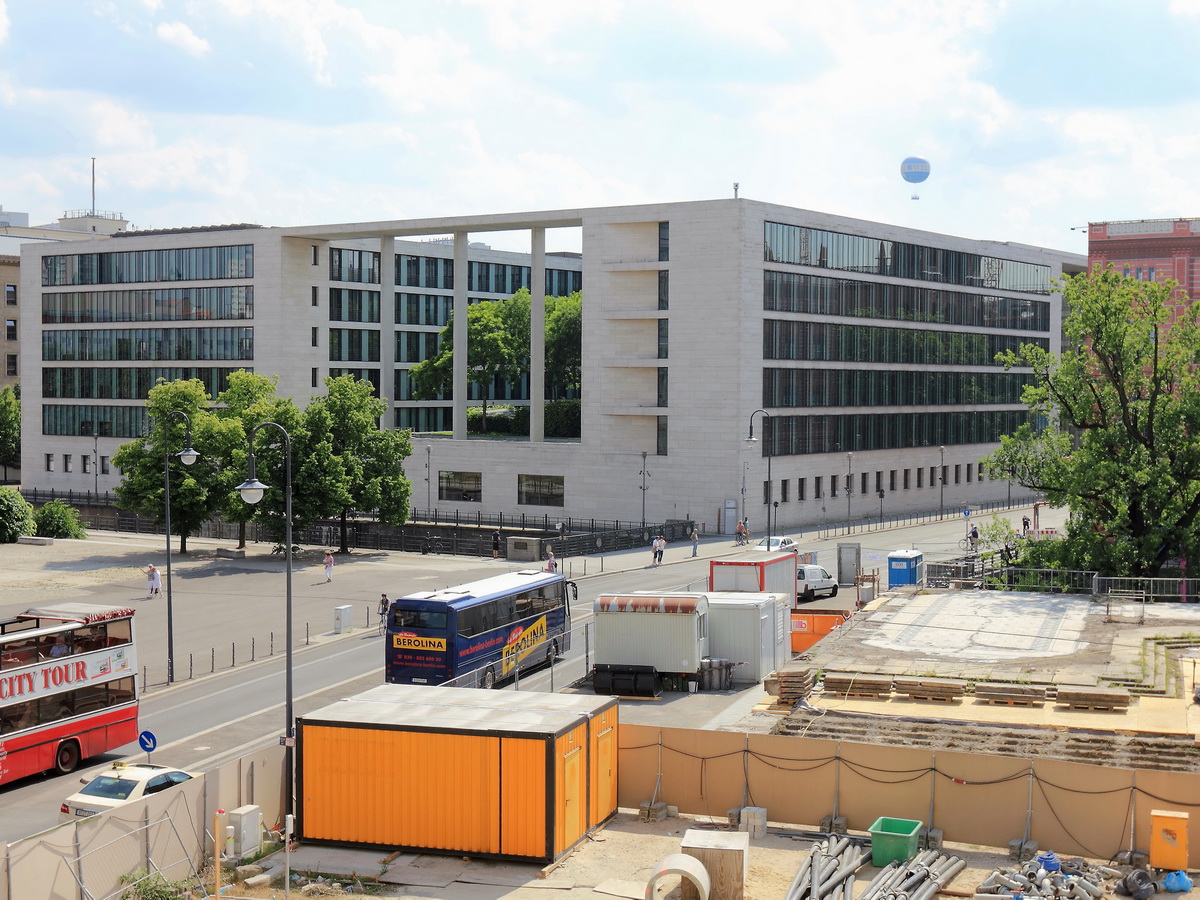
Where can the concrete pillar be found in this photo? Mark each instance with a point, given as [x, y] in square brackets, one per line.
[387, 330]
[459, 381]
[537, 335]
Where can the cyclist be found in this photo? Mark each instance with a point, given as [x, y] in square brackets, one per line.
[973, 538]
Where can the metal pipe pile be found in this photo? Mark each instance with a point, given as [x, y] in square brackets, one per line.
[918, 879]
[1069, 880]
[827, 872]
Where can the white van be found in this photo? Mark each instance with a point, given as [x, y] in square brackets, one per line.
[813, 582]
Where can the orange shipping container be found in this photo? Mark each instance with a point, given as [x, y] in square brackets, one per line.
[513, 775]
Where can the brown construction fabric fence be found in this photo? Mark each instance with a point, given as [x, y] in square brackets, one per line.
[1072, 808]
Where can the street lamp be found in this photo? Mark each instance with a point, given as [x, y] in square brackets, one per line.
[942, 483]
[188, 456]
[645, 474]
[849, 482]
[252, 491]
[96, 461]
[428, 482]
[751, 440]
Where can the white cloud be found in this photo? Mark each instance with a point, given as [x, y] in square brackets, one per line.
[3, 22]
[180, 35]
[1189, 9]
[114, 126]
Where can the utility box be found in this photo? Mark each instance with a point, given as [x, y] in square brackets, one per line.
[522, 549]
[771, 572]
[1168, 839]
[750, 629]
[246, 824]
[343, 619]
[469, 772]
[905, 567]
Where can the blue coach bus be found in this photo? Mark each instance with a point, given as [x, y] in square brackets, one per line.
[493, 627]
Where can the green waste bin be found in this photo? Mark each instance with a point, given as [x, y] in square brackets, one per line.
[893, 839]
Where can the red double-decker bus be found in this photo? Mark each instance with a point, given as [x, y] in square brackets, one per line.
[67, 687]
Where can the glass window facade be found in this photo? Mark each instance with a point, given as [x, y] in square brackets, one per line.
[460, 486]
[664, 241]
[664, 343]
[854, 253]
[346, 305]
[829, 342]
[353, 345]
[148, 344]
[817, 295]
[541, 490]
[801, 435]
[664, 289]
[125, 382]
[424, 309]
[416, 346]
[164, 305]
[131, 266]
[361, 266]
[424, 271]
[661, 436]
[663, 382]
[374, 376]
[107, 421]
[424, 418]
[883, 387]
[402, 388]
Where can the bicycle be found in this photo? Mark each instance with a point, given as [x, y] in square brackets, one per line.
[968, 545]
[383, 612]
[740, 540]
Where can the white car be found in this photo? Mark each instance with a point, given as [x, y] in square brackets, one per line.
[776, 544]
[813, 582]
[120, 784]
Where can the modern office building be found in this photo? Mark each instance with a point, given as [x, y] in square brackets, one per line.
[860, 355]
[1149, 250]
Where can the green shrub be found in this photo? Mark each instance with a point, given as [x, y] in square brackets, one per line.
[16, 516]
[57, 520]
[564, 418]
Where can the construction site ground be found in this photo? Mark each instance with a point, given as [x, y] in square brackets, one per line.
[1024, 639]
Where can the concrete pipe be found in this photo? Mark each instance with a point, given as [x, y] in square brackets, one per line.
[685, 867]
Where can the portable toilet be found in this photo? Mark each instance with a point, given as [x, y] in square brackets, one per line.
[905, 567]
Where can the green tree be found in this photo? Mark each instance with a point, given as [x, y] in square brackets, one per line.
[142, 460]
[248, 396]
[490, 354]
[564, 345]
[371, 459]
[58, 520]
[10, 429]
[16, 516]
[1121, 442]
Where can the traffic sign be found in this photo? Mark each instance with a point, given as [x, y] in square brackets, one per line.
[286, 741]
[147, 741]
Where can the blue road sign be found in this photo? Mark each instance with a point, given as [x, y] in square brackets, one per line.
[147, 741]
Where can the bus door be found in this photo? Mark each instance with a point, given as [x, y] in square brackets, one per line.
[419, 645]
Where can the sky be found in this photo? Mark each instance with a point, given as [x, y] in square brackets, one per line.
[1037, 116]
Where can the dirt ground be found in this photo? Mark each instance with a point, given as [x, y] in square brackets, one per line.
[619, 860]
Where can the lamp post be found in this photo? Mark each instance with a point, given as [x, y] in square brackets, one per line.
[751, 440]
[96, 461]
[645, 474]
[942, 484]
[188, 456]
[849, 482]
[428, 482]
[252, 491]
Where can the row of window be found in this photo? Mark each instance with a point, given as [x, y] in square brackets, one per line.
[85, 459]
[347, 305]
[353, 265]
[353, 345]
[882, 387]
[899, 259]
[532, 490]
[106, 421]
[126, 382]
[130, 266]
[827, 342]
[893, 482]
[818, 295]
[373, 376]
[801, 435]
[149, 344]
[438, 272]
[171, 304]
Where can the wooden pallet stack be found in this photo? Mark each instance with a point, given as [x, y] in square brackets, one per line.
[795, 682]
[942, 690]
[1106, 699]
[856, 684]
[1004, 693]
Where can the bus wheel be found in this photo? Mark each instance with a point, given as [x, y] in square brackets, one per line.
[552, 653]
[66, 758]
[489, 679]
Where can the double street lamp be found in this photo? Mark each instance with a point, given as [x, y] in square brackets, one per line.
[252, 491]
[751, 440]
[188, 456]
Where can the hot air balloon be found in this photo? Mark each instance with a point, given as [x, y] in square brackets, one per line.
[914, 170]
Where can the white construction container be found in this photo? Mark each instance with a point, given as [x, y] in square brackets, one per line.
[756, 571]
[752, 630]
[651, 635]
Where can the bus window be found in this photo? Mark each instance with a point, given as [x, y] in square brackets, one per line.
[119, 631]
[418, 618]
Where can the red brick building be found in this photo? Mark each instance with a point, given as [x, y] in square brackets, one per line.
[1149, 250]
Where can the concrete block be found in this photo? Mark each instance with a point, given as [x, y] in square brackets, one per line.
[1020, 850]
[931, 838]
[833, 825]
[672, 812]
[226, 553]
[653, 812]
[734, 816]
[1136, 858]
[39, 541]
[243, 873]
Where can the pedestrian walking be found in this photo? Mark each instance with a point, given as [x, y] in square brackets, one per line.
[153, 582]
[551, 562]
[653, 551]
[658, 553]
[695, 543]
[328, 567]
[496, 544]
[1025, 524]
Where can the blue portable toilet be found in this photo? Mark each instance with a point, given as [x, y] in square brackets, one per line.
[905, 567]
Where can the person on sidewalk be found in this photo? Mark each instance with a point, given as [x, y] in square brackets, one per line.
[496, 544]
[695, 543]
[660, 546]
[551, 562]
[328, 567]
[153, 582]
